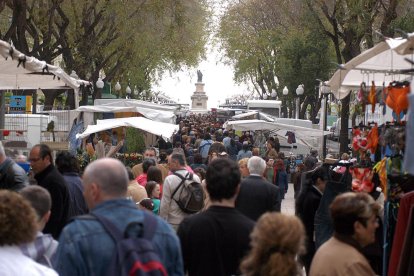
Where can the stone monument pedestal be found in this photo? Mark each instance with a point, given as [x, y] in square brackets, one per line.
[199, 99]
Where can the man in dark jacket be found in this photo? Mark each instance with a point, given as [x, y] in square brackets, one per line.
[68, 166]
[48, 177]
[307, 204]
[12, 176]
[257, 195]
[214, 242]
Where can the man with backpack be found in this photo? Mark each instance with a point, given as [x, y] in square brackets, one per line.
[179, 185]
[97, 244]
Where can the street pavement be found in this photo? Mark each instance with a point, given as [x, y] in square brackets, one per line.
[288, 204]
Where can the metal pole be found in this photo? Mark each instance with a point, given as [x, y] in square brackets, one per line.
[325, 114]
[297, 108]
[2, 112]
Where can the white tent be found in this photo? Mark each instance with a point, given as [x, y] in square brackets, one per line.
[385, 62]
[253, 125]
[155, 112]
[21, 72]
[165, 130]
[256, 114]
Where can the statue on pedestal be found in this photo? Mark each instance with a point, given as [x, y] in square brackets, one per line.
[199, 76]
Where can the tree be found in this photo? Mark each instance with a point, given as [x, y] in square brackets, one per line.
[350, 25]
[129, 40]
[267, 44]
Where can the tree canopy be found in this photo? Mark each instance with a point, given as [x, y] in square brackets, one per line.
[128, 40]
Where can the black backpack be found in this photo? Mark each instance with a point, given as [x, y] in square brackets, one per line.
[190, 194]
[134, 253]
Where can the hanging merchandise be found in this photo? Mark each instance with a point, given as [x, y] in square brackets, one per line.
[397, 97]
[365, 139]
[381, 169]
[362, 179]
[373, 138]
[362, 95]
[372, 96]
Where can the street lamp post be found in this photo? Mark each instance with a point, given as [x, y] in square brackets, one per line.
[285, 92]
[299, 92]
[324, 90]
[117, 88]
[135, 92]
[99, 86]
[128, 92]
[2, 112]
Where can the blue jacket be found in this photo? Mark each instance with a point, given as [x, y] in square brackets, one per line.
[205, 147]
[85, 248]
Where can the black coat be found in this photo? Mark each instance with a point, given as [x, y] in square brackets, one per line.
[257, 196]
[215, 241]
[53, 181]
[306, 212]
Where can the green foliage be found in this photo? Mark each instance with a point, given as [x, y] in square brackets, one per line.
[134, 140]
[405, 23]
[133, 41]
[265, 40]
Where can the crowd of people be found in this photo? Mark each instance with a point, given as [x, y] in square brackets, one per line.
[57, 224]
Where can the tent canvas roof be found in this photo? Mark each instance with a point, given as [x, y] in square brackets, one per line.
[165, 130]
[21, 72]
[253, 125]
[385, 62]
[151, 111]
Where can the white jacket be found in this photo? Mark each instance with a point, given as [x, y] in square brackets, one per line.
[13, 263]
[169, 209]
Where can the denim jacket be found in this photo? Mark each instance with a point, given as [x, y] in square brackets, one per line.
[85, 248]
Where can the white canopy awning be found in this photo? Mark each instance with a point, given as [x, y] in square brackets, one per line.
[257, 114]
[151, 111]
[21, 72]
[165, 130]
[253, 125]
[385, 62]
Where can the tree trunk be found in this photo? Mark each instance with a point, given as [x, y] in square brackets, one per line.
[50, 96]
[70, 100]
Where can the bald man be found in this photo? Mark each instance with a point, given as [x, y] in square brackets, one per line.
[85, 247]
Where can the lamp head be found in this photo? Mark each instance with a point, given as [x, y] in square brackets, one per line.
[285, 91]
[99, 83]
[300, 90]
[117, 86]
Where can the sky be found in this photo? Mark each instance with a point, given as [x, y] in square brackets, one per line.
[218, 79]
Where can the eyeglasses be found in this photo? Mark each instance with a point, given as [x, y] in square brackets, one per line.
[33, 160]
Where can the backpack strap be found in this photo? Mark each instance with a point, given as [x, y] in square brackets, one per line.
[201, 147]
[148, 225]
[183, 179]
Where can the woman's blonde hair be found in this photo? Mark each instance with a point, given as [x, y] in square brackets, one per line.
[276, 240]
[243, 161]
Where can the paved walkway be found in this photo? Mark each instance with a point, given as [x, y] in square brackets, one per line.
[288, 204]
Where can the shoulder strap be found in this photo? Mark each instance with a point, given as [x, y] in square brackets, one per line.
[206, 144]
[183, 179]
[148, 225]
[111, 228]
